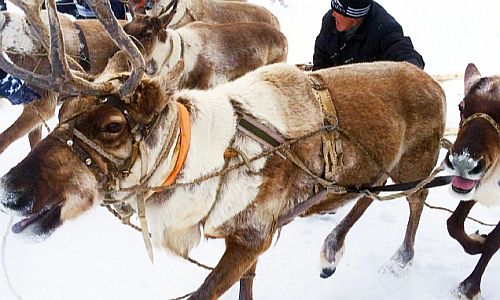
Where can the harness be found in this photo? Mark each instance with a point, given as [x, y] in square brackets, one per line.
[84, 57]
[484, 116]
[332, 147]
[176, 146]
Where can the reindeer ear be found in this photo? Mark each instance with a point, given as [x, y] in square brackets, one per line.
[471, 76]
[166, 18]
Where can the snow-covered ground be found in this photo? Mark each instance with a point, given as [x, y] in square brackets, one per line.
[95, 257]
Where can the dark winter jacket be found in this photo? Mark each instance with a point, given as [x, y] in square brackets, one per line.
[379, 37]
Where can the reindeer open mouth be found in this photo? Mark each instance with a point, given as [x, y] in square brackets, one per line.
[463, 185]
[42, 222]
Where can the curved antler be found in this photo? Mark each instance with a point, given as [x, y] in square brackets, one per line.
[32, 14]
[105, 15]
[64, 80]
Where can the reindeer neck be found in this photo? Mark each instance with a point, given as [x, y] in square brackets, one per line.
[172, 51]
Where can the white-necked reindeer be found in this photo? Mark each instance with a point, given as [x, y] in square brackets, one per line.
[212, 53]
[475, 160]
[124, 134]
[208, 11]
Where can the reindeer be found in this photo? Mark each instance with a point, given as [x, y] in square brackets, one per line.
[213, 53]
[208, 11]
[139, 140]
[202, 70]
[27, 48]
[474, 159]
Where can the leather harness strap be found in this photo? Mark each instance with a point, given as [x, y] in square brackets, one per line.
[332, 147]
[84, 58]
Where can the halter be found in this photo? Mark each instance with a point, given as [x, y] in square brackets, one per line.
[117, 168]
[487, 117]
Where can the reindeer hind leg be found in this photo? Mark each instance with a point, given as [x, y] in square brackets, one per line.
[415, 164]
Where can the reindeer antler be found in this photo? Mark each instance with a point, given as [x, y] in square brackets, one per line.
[165, 17]
[105, 15]
[62, 78]
[32, 14]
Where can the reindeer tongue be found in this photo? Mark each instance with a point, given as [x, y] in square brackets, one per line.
[24, 223]
[462, 185]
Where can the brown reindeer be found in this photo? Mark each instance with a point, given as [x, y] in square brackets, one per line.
[123, 146]
[475, 160]
[26, 48]
[208, 11]
[213, 53]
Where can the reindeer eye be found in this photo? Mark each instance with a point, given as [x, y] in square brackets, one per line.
[461, 106]
[113, 127]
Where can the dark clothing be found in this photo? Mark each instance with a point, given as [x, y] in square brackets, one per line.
[15, 90]
[84, 12]
[379, 37]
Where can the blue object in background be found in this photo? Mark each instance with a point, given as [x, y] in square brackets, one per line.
[15, 90]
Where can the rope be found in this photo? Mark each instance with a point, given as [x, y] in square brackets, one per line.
[451, 211]
[138, 188]
[4, 265]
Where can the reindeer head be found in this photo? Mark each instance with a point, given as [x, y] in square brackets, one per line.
[475, 155]
[95, 144]
[152, 38]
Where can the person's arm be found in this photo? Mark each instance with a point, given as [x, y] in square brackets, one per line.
[397, 47]
[321, 58]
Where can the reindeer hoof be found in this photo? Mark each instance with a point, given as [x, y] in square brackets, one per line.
[329, 259]
[326, 272]
[476, 236]
[466, 291]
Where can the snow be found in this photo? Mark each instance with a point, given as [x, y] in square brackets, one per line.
[95, 257]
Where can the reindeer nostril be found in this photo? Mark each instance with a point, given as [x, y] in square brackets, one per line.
[478, 169]
[448, 161]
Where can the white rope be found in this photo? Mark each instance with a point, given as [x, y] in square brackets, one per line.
[4, 265]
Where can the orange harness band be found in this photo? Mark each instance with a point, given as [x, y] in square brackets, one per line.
[182, 145]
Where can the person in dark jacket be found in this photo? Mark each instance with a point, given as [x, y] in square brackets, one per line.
[356, 31]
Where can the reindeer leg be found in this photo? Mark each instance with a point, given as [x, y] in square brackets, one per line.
[456, 228]
[246, 283]
[471, 286]
[35, 136]
[29, 119]
[333, 246]
[237, 259]
[405, 253]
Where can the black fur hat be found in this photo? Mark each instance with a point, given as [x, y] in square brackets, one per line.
[352, 8]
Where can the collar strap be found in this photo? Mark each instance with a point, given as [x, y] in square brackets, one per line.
[182, 147]
[483, 116]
